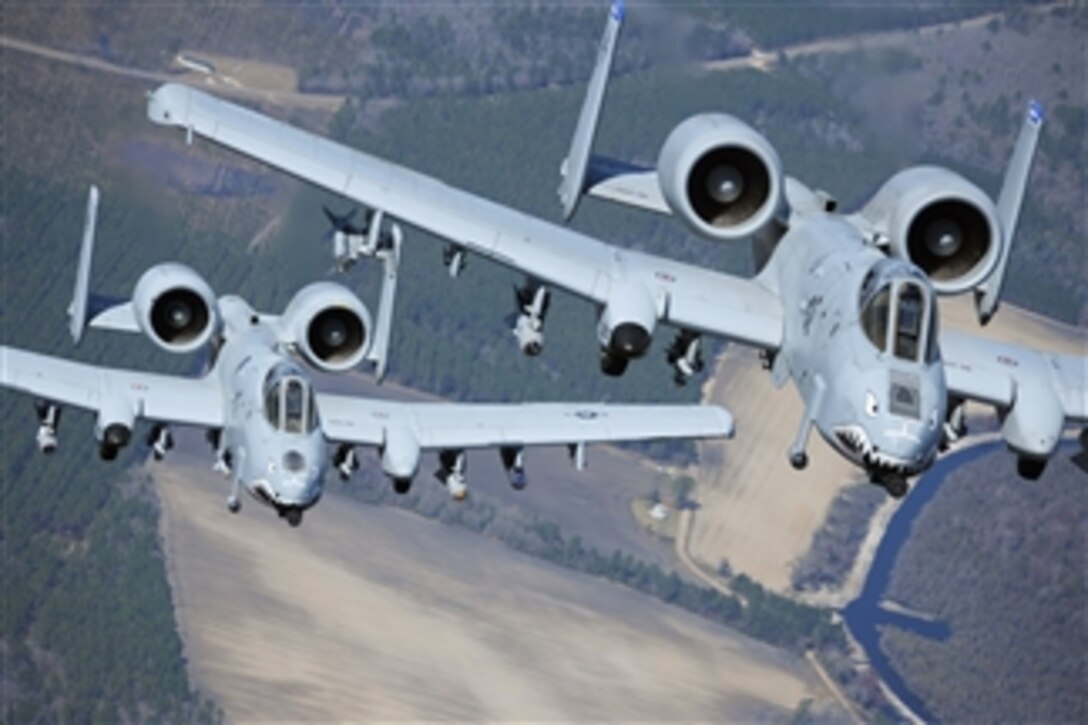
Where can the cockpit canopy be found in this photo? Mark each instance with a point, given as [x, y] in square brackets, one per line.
[289, 400]
[898, 311]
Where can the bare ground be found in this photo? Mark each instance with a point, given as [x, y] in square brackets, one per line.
[368, 613]
[247, 72]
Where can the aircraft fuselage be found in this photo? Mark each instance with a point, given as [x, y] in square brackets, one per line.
[271, 441]
[860, 344]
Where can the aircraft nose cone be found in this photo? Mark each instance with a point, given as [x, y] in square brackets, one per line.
[943, 238]
[334, 333]
[179, 315]
[725, 184]
[630, 340]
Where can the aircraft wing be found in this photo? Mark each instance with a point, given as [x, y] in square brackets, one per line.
[164, 398]
[684, 295]
[1006, 375]
[467, 425]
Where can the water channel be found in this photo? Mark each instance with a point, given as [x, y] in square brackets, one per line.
[865, 616]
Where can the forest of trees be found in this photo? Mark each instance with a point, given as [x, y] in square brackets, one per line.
[776, 23]
[87, 631]
[1004, 562]
[835, 547]
[86, 624]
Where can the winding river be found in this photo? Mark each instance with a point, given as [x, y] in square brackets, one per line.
[866, 615]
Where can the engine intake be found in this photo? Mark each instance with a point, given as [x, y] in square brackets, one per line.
[1032, 427]
[626, 326]
[329, 325]
[940, 222]
[335, 334]
[720, 176]
[113, 427]
[175, 307]
[400, 455]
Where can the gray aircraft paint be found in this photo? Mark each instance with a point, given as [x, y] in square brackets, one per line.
[807, 325]
[271, 430]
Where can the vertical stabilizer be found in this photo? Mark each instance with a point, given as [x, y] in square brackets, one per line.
[577, 161]
[78, 309]
[988, 294]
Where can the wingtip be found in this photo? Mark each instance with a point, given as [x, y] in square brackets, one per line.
[618, 11]
[1036, 112]
[725, 420]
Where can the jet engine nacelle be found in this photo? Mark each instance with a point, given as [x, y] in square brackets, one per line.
[400, 454]
[175, 307]
[626, 325]
[113, 427]
[721, 176]
[1032, 427]
[329, 325]
[942, 223]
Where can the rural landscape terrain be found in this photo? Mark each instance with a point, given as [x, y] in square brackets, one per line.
[129, 593]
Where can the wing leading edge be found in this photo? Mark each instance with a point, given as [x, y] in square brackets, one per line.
[689, 296]
[463, 425]
[162, 398]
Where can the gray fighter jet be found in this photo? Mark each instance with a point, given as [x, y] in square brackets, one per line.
[842, 304]
[269, 427]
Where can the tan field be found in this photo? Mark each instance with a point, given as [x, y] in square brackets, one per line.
[370, 613]
[755, 511]
[250, 73]
[256, 80]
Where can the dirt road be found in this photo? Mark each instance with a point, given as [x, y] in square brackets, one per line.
[763, 60]
[278, 97]
[292, 98]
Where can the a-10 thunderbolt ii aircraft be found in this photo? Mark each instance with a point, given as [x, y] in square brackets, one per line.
[842, 304]
[269, 427]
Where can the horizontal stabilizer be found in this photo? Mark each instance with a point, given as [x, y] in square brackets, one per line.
[575, 166]
[110, 313]
[625, 183]
[988, 294]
